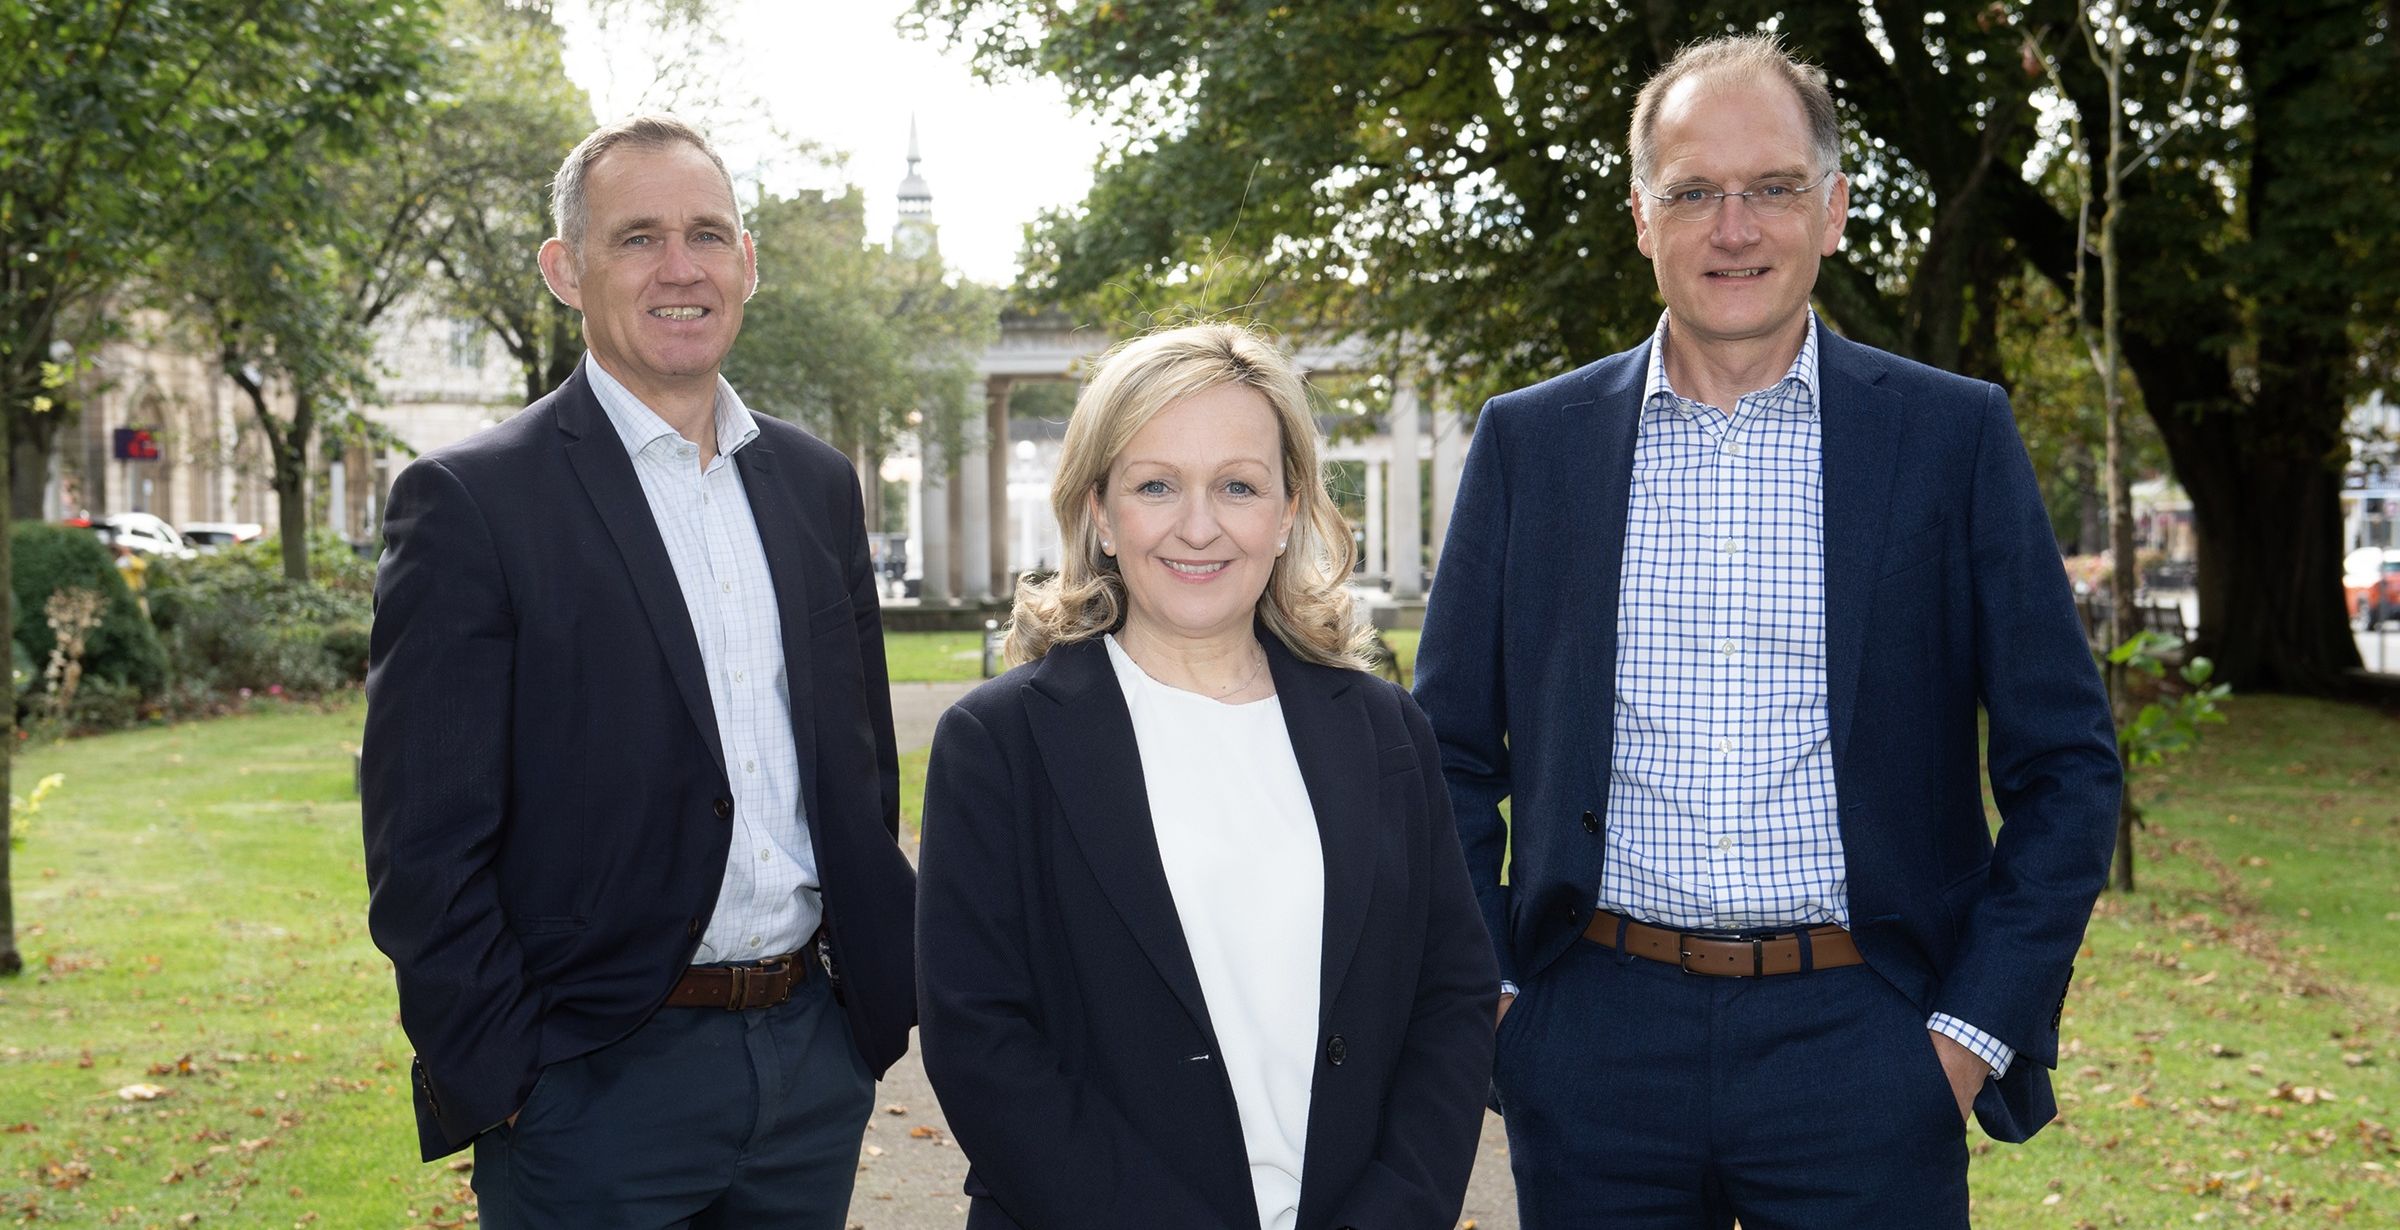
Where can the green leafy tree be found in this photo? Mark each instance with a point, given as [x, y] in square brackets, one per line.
[1452, 173]
[856, 342]
[507, 115]
[122, 122]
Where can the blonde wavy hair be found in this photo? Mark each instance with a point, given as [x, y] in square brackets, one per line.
[1306, 603]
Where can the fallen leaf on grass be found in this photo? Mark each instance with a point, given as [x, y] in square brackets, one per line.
[922, 1132]
[2305, 1095]
[895, 1109]
[142, 1091]
[15, 1129]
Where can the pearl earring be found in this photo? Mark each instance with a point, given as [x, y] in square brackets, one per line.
[1107, 547]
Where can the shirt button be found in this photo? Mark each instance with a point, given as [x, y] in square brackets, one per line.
[1724, 843]
[738, 676]
[749, 766]
[1724, 747]
[1725, 647]
[1729, 546]
[764, 856]
[757, 940]
[725, 586]
[1733, 446]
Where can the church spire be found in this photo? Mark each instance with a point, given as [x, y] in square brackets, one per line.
[913, 233]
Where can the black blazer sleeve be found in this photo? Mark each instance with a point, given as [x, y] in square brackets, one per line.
[433, 792]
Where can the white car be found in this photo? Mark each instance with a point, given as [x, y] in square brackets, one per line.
[145, 533]
[206, 536]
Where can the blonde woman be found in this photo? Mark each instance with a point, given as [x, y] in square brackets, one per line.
[1197, 944]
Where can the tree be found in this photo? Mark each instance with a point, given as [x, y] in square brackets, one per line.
[856, 342]
[121, 123]
[1453, 171]
[508, 115]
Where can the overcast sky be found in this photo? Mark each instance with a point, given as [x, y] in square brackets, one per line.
[837, 74]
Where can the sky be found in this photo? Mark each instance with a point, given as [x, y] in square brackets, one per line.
[836, 74]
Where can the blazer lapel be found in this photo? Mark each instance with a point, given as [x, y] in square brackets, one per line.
[597, 454]
[1085, 734]
[1333, 739]
[1859, 433]
[790, 540]
[1595, 526]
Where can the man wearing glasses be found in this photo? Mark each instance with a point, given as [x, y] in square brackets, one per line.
[1715, 617]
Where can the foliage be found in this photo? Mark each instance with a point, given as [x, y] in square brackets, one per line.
[856, 342]
[122, 122]
[234, 625]
[2171, 724]
[2167, 724]
[1450, 177]
[21, 811]
[48, 559]
[505, 114]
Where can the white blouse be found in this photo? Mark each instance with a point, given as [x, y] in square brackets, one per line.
[1239, 840]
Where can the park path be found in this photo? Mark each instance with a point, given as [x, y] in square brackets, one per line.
[909, 1171]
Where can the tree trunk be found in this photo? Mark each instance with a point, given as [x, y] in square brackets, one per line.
[291, 521]
[2271, 610]
[31, 440]
[10, 961]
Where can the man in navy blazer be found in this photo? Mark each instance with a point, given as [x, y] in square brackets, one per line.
[630, 788]
[1716, 617]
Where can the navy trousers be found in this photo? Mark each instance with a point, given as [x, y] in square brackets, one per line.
[1639, 1097]
[700, 1118]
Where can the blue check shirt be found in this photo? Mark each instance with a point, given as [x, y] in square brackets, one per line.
[1721, 807]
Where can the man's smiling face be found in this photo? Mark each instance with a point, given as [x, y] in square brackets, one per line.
[664, 268]
[1736, 276]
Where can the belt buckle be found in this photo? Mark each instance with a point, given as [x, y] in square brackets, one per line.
[739, 981]
[1758, 955]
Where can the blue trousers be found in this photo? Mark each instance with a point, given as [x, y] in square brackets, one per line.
[700, 1118]
[1639, 1097]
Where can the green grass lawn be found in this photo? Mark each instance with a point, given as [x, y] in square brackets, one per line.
[192, 911]
[933, 657]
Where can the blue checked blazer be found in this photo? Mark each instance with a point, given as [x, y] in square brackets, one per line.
[1943, 595]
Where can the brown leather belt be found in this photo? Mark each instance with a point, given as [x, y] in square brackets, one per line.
[737, 987]
[1793, 952]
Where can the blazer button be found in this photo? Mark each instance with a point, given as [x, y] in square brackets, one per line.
[692, 929]
[1336, 1051]
[724, 809]
[1591, 823]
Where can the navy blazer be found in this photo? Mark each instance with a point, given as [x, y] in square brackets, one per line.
[1063, 1023]
[544, 795]
[1943, 593]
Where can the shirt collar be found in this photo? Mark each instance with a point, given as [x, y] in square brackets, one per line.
[640, 427]
[1802, 373]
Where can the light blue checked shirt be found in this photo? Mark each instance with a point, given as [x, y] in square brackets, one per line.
[1721, 808]
[769, 903]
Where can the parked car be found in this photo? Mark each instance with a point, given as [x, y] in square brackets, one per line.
[206, 536]
[141, 531]
[2371, 584]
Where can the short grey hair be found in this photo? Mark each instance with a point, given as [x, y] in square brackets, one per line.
[570, 212]
[1741, 56]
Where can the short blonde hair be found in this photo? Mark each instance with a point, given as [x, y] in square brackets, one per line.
[1306, 604]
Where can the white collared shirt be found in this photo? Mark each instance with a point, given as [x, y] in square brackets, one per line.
[1721, 807]
[769, 903]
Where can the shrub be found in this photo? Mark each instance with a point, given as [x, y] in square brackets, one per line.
[123, 649]
[231, 622]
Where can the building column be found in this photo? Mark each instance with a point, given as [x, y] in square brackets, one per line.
[933, 522]
[1372, 565]
[974, 516]
[998, 455]
[1406, 521]
[1450, 432]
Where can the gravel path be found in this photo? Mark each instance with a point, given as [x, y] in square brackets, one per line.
[909, 1171]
